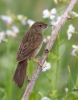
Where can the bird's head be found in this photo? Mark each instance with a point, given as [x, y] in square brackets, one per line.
[40, 27]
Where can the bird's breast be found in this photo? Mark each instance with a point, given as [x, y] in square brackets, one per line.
[37, 50]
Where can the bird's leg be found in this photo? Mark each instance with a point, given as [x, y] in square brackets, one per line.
[28, 78]
[36, 61]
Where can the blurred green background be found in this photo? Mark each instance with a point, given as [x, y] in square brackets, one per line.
[53, 82]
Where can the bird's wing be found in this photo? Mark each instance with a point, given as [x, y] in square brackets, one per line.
[29, 44]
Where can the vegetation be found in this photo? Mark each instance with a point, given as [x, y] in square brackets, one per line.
[59, 79]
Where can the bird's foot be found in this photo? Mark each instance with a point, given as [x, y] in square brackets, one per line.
[29, 79]
[36, 61]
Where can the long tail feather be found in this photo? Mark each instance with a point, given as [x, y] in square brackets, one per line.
[20, 73]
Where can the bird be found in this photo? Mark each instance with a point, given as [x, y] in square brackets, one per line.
[29, 47]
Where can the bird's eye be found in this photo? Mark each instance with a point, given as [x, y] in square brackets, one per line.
[40, 25]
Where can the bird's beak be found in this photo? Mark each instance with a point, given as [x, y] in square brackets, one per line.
[49, 25]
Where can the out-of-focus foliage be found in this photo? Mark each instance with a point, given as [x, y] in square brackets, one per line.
[60, 77]
[71, 96]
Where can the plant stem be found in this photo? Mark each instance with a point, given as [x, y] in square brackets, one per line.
[57, 67]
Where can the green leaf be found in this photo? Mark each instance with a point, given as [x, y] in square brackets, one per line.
[32, 96]
[2, 94]
[71, 96]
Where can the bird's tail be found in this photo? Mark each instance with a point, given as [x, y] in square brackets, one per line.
[20, 73]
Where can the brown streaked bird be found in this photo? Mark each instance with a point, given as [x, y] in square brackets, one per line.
[29, 47]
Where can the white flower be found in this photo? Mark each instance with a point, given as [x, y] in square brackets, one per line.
[2, 37]
[7, 19]
[23, 22]
[30, 22]
[66, 89]
[45, 40]
[74, 13]
[70, 30]
[73, 53]
[69, 36]
[10, 33]
[46, 13]
[48, 37]
[52, 17]
[19, 17]
[75, 48]
[45, 98]
[15, 29]
[53, 11]
[46, 66]
[49, 14]
[57, 21]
